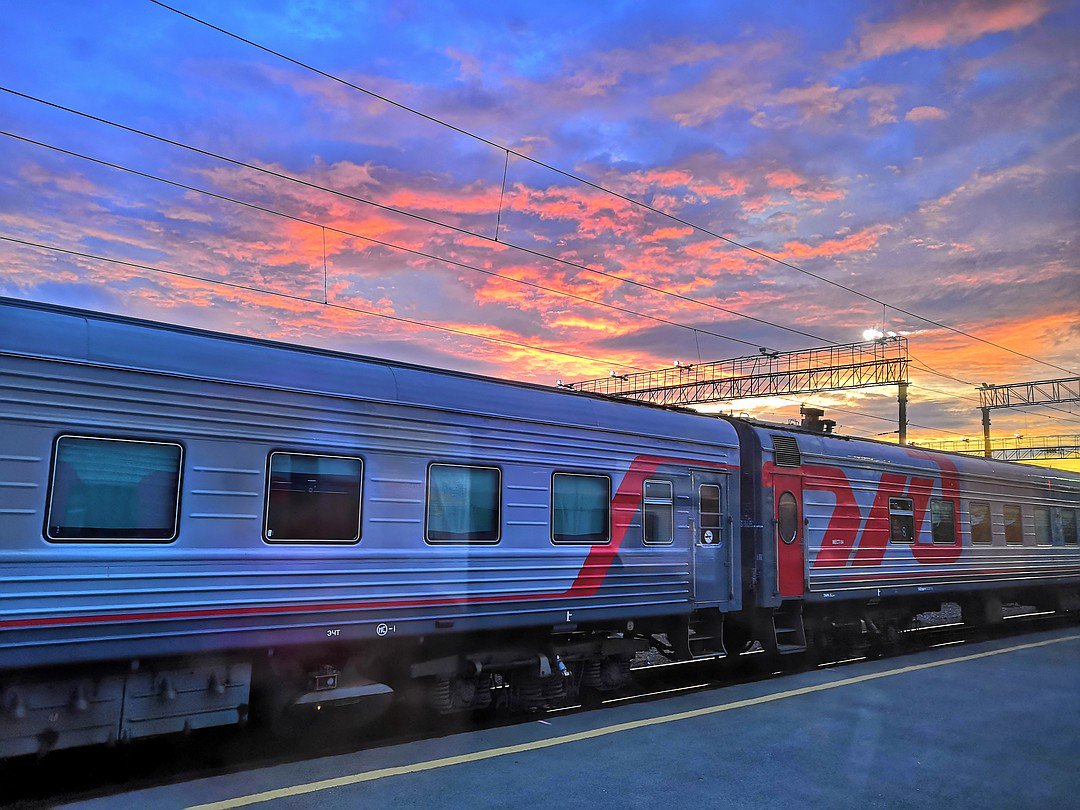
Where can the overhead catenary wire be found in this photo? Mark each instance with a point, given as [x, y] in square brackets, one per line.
[597, 186]
[358, 310]
[451, 262]
[314, 301]
[372, 240]
[408, 214]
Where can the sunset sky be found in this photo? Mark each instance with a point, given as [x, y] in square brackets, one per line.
[923, 153]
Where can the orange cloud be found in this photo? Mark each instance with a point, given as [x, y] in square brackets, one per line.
[859, 242]
[925, 113]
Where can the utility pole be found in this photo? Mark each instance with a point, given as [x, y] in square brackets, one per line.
[901, 400]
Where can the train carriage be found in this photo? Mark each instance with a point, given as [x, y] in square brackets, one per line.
[856, 534]
[191, 504]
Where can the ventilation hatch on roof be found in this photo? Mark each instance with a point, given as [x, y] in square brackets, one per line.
[786, 451]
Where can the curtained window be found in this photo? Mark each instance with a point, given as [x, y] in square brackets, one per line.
[114, 490]
[581, 508]
[1042, 525]
[463, 504]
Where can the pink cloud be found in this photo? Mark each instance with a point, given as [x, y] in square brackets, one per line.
[934, 25]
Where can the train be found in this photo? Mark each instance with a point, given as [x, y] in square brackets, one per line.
[198, 528]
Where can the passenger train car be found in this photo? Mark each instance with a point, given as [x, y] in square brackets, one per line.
[193, 524]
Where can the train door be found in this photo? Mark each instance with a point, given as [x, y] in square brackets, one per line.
[712, 541]
[790, 546]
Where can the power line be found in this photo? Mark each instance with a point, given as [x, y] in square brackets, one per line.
[604, 189]
[451, 262]
[409, 214]
[383, 243]
[425, 255]
[422, 254]
[314, 301]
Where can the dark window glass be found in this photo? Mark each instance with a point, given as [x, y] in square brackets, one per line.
[313, 499]
[1014, 526]
[901, 520]
[709, 510]
[981, 527]
[787, 517]
[943, 521]
[1068, 526]
[114, 490]
[658, 509]
[1042, 526]
[580, 508]
[463, 504]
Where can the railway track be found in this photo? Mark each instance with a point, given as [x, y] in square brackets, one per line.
[79, 774]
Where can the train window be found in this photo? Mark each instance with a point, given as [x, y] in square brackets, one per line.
[1014, 525]
[981, 531]
[114, 490]
[313, 499]
[901, 520]
[463, 504]
[787, 517]
[943, 521]
[1042, 526]
[580, 508]
[658, 510]
[709, 514]
[1068, 526]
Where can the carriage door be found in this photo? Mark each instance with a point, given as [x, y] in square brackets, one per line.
[788, 503]
[712, 543]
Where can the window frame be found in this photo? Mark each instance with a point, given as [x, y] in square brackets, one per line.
[669, 502]
[989, 524]
[156, 541]
[700, 539]
[952, 505]
[1019, 522]
[787, 541]
[907, 513]
[551, 510]
[292, 541]
[498, 505]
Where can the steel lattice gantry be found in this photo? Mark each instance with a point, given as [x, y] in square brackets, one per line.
[805, 371]
[1042, 392]
[1016, 395]
[1017, 448]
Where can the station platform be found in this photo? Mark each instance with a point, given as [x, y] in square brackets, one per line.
[969, 725]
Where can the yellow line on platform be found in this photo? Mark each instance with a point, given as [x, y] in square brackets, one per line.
[536, 745]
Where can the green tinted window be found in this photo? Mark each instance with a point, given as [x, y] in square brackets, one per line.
[111, 490]
[580, 506]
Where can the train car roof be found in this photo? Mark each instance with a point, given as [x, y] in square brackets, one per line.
[857, 447]
[71, 334]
